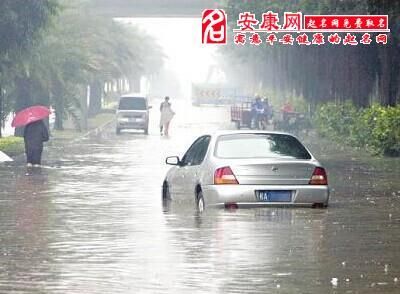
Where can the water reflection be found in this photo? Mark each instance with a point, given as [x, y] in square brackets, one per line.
[248, 250]
[92, 221]
[25, 219]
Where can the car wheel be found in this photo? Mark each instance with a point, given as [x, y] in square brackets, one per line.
[200, 206]
[165, 191]
[319, 205]
[118, 131]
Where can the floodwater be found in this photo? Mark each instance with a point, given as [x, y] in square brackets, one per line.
[92, 221]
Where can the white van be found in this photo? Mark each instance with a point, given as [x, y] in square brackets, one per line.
[133, 113]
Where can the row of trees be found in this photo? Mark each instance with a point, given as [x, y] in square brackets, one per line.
[21, 23]
[57, 48]
[360, 73]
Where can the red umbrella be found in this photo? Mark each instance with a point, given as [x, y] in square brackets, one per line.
[30, 115]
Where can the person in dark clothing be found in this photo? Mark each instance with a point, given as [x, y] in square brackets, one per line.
[257, 113]
[34, 135]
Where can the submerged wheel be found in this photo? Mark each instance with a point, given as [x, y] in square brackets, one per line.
[200, 206]
[166, 198]
[319, 205]
[165, 191]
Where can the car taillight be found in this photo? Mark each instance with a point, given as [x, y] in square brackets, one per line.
[319, 177]
[224, 175]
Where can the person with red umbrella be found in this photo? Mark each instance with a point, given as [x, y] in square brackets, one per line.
[35, 132]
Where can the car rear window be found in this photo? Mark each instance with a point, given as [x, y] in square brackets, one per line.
[132, 103]
[260, 146]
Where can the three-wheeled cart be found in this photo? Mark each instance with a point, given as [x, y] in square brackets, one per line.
[241, 115]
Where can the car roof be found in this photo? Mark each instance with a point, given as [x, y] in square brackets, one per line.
[219, 133]
[233, 132]
[134, 95]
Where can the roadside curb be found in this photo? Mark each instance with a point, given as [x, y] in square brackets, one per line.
[94, 131]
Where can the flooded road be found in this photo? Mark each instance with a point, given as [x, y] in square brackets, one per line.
[92, 221]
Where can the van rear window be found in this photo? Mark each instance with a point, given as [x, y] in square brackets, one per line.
[132, 103]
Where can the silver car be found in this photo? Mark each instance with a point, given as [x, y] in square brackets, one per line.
[132, 113]
[247, 168]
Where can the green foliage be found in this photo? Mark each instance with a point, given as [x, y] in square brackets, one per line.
[318, 73]
[376, 128]
[77, 49]
[385, 129]
[336, 119]
[21, 22]
[12, 145]
[21, 25]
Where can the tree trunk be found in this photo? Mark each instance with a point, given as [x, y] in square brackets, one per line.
[58, 122]
[389, 72]
[1, 110]
[134, 84]
[58, 106]
[23, 98]
[384, 76]
[95, 98]
[84, 108]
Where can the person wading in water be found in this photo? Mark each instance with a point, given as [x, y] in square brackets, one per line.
[166, 116]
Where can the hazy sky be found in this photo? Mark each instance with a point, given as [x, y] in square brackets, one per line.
[181, 42]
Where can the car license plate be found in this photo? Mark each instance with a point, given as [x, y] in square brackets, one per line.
[275, 196]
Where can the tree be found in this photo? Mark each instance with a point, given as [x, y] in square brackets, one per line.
[21, 24]
[325, 73]
[79, 50]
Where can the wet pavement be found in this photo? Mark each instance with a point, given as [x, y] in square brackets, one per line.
[92, 221]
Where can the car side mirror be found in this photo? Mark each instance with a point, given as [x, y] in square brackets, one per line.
[173, 160]
[150, 107]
